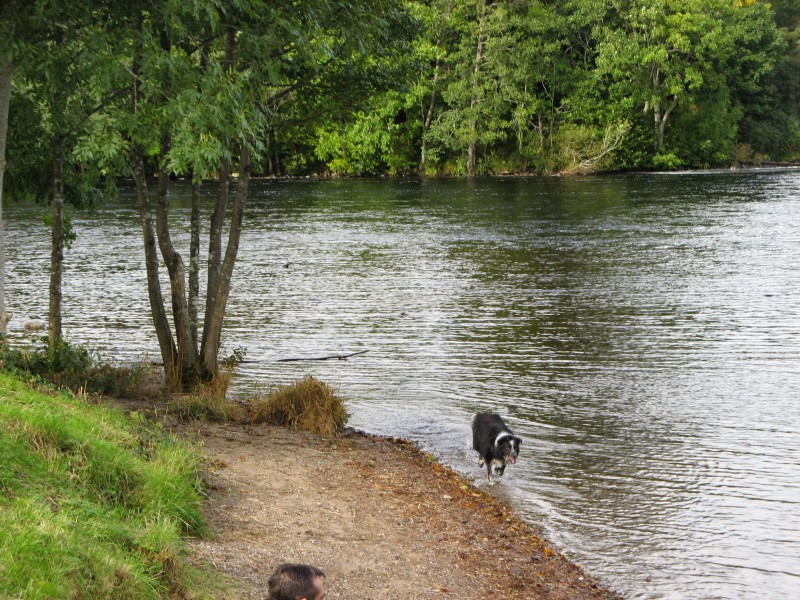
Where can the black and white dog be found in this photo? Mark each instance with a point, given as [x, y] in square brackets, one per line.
[495, 443]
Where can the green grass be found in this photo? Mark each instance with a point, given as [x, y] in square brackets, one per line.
[93, 503]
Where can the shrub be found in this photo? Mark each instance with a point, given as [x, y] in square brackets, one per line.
[40, 361]
[307, 404]
[73, 367]
[667, 161]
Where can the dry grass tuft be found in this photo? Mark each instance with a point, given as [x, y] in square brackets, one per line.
[307, 404]
[207, 402]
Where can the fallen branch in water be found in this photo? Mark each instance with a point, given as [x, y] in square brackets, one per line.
[332, 356]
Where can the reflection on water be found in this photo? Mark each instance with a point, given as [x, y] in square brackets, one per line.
[640, 333]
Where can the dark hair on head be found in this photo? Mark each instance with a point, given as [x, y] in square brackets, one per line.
[293, 581]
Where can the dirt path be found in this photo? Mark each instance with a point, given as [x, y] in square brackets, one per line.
[380, 518]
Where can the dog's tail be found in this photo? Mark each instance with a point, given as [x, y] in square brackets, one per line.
[475, 419]
[478, 414]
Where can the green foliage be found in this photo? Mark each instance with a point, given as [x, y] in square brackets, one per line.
[65, 70]
[92, 503]
[40, 361]
[636, 151]
[27, 168]
[362, 88]
[705, 135]
[72, 367]
[666, 161]
[69, 231]
[378, 141]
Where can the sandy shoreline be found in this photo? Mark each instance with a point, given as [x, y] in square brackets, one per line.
[380, 517]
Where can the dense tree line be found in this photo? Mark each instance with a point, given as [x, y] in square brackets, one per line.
[224, 89]
[446, 86]
[580, 85]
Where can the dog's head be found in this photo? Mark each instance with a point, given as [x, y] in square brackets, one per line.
[507, 447]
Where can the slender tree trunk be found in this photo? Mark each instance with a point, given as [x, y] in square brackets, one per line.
[215, 236]
[270, 150]
[184, 361]
[213, 328]
[659, 116]
[194, 238]
[187, 353]
[169, 351]
[426, 123]
[473, 124]
[471, 153]
[194, 262]
[541, 132]
[268, 153]
[660, 124]
[54, 332]
[215, 253]
[6, 70]
[166, 342]
[658, 136]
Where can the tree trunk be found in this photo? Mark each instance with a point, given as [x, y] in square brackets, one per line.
[194, 262]
[426, 123]
[169, 352]
[660, 122]
[215, 233]
[473, 124]
[187, 353]
[6, 69]
[166, 343]
[659, 117]
[276, 154]
[215, 254]
[194, 237]
[213, 326]
[54, 333]
[471, 153]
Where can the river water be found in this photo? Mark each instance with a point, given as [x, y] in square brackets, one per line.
[641, 333]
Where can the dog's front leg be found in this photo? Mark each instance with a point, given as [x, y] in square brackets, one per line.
[489, 472]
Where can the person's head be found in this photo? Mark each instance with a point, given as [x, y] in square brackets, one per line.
[296, 582]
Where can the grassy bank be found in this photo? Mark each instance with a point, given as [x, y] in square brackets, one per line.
[93, 503]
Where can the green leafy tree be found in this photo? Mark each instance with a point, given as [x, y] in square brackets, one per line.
[194, 109]
[476, 113]
[771, 103]
[572, 86]
[60, 58]
[210, 82]
[686, 57]
[387, 128]
[351, 118]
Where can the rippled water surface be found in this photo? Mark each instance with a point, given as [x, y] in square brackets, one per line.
[641, 333]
